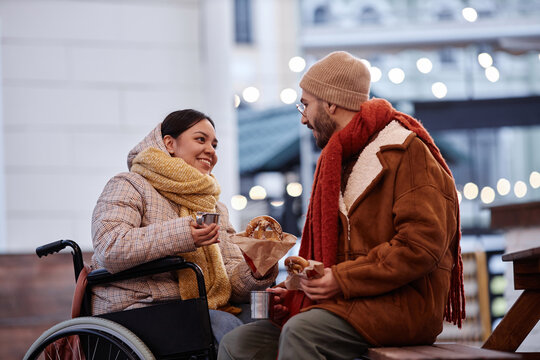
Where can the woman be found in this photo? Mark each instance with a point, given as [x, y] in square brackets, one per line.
[148, 213]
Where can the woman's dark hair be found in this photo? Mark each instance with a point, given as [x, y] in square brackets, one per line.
[179, 121]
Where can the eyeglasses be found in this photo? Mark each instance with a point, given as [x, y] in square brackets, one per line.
[301, 109]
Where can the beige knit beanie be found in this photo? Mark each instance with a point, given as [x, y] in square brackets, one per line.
[338, 78]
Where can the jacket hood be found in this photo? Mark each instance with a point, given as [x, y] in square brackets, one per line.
[153, 139]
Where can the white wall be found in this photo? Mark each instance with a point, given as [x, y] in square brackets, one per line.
[2, 181]
[83, 82]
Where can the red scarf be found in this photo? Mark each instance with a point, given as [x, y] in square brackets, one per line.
[319, 238]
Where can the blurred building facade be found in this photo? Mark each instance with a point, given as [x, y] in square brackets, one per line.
[82, 83]
[470, 70]
[447, 53]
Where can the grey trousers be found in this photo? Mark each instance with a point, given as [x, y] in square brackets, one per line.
[314, 334]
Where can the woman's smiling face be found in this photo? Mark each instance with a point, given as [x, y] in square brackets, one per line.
[196, 146]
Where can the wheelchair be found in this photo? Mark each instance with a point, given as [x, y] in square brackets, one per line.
[176, 329]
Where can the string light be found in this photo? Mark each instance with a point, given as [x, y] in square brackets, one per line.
[492, 74]
[424, 65]
[487, 195]
[257, 192]
[366, 62]
[439, 90]
[485, 60]
[251, 94]
[534, 179]
[503, 186]
[469, 14]
[297, 64]
[238, 202]
[520, 189]
[294, 189]
[288, 96]
[376, 74]
[396, 75]
[470, 191]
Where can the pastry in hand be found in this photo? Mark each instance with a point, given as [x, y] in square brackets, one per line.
[264, 227]
[295, 264]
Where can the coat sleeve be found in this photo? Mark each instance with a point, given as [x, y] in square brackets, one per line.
[425, 223]
[240, 275]
[120, 241]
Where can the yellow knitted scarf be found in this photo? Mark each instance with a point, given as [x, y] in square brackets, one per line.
[193, 191]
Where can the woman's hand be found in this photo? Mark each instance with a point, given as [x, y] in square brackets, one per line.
[204, 234]
[322, 288]
[280, 311]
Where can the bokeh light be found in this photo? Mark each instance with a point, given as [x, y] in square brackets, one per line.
[503, 187]
[485, 60]
[439, 90]
[487, 195]
[534, 179]
[251, 94]
[288, 96]
[297, 64]
[469, 14]
[376, 73]
[257, 192]
[492, 74]
[396, 75]
[424, 65]
[520, 189]
[238, 202]
[470, 191]
[294, 189]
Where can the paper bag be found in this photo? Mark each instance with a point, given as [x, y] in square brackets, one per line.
[314, 270]
[262, 254]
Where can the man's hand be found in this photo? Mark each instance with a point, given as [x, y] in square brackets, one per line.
[204, 234]
[280, 311]
[322, 288]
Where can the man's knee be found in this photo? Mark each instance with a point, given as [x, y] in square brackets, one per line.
[226, 345]
[256, 340]
[296, 329]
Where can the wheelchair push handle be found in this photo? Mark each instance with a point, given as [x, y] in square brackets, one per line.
[59, 245]
[50, 248]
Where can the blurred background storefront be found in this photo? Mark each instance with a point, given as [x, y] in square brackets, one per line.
[469, 70]
[83, 81]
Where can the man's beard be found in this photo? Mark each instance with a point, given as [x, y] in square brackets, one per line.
[324, 126]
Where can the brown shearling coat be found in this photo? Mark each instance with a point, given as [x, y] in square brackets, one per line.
[398, 226]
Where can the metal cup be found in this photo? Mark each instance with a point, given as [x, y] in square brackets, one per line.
[207, 218]
[261, 304]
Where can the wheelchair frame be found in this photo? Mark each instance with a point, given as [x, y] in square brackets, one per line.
[156, 331]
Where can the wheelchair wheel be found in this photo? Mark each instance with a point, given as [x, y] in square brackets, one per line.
[88, 338]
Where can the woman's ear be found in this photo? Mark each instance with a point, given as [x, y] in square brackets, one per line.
[168, 140]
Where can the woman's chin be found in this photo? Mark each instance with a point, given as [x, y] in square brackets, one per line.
[204, 170]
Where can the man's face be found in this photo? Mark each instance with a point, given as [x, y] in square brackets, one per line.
[316, 119]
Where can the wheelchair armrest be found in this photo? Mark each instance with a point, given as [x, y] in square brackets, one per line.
[170, 263]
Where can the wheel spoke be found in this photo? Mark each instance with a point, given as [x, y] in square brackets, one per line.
[101, 338]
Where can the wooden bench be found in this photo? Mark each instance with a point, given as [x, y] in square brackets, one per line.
[437, 351]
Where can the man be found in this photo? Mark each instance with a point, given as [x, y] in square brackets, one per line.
[383, 218]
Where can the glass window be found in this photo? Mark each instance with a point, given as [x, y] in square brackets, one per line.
[242, 26]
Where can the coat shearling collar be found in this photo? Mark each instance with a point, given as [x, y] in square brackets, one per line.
[368, 165]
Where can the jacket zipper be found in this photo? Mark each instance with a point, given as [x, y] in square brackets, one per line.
[347, 243]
